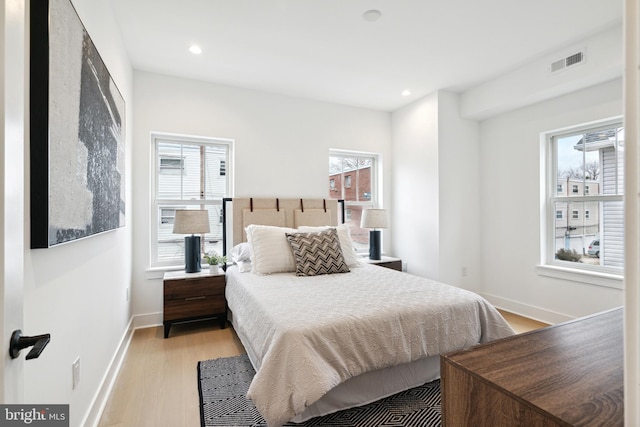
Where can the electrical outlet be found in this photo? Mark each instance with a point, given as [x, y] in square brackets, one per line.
[464, 271]
[75, 368]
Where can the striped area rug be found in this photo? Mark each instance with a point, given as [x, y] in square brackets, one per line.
[223, 384]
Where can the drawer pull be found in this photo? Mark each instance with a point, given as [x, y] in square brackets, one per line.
[193, 298]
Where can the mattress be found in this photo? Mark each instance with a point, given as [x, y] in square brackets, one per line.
[308, 335]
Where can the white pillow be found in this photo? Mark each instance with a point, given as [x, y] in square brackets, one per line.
[241, 256]
[270, 250]
[346, 244]
[241, 252]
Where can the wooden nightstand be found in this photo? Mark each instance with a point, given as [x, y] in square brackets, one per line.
[193, 296]
[386, 261]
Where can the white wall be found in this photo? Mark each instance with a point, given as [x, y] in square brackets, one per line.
[534, 82]
[460, 201]
[510, 177]
[77, 292]
[416, 195]
[281, 149]
[435, 191]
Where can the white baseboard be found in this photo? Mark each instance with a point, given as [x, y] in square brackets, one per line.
[148, 320]
[526, 310]
[92, 418]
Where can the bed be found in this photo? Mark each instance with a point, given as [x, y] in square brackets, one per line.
[325, 331]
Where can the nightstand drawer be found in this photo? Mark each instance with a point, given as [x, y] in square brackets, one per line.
[193, 296]
[188, 288]
[193, 307]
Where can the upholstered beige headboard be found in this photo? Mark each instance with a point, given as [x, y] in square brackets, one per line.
[238, 213]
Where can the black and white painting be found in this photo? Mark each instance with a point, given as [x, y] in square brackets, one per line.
[77, 131]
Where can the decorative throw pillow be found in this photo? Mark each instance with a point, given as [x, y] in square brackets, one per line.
[317, 253]
[346, 244]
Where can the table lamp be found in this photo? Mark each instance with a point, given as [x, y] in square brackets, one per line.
[374, 219]
[191, 222]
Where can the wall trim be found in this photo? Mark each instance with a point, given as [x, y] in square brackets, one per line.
[92, 417]
[536, 313]
[141, 321]
[99, 402]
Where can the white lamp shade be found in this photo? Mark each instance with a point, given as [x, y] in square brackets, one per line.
[374, 218]
[191, 221]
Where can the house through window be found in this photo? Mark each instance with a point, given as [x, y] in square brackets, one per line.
[188, 173]
[590, 162]
[353, 178]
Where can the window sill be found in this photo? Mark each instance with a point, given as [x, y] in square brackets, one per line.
[586, 277]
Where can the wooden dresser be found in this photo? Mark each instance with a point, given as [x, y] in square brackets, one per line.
[569, 374]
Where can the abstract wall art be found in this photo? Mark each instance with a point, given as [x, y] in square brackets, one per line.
[77, 131]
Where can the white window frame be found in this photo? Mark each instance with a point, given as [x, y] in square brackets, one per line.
[576, 272]
[157, 204]
[375, 199]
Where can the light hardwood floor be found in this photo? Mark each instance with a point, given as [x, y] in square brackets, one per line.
[158, 383]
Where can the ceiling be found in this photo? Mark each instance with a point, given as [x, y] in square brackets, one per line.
[325, 50]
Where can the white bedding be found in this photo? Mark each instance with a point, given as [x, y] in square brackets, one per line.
[306, 335]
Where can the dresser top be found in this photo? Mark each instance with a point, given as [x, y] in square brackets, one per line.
[573, 371]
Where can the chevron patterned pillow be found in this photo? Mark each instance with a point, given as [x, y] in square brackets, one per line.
[317, 253]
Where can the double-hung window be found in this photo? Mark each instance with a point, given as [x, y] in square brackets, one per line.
[587, 164]
[188, 173]
[353, 177]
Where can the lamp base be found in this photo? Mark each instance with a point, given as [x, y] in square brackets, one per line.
[374, 245]
[192, 254]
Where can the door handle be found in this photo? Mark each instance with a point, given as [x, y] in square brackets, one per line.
[18, 342]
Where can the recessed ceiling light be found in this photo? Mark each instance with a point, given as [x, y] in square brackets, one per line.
[372, 15]
[195, 49]
[406, 92]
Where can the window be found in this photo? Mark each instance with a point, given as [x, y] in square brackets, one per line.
[353, 178]
[189, 173]
[590, 161]
[347, 181]
[171, 165]
[559, 189]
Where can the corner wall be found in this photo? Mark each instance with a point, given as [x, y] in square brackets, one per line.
[435, 198]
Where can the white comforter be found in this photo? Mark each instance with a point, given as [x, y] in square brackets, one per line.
[306, 335]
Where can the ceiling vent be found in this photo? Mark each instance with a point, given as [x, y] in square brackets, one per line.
[569, 61]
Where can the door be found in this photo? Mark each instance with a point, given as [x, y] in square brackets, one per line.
[12, 190]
